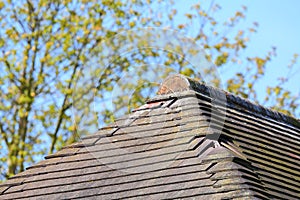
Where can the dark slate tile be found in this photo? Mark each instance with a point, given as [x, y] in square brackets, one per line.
[3, 188]
[105, 132]
[44, 163]
[137, 145]
[217, 155]
[226, 174]
[164, 150]
[236, 181]
[83, 143]
[153, 190]
[63, 153]
[123, 177]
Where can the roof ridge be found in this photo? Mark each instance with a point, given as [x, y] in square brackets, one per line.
[173, 85]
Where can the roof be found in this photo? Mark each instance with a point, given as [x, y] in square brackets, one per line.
[189, 141]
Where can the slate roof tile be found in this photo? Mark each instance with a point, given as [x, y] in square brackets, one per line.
[184, 143]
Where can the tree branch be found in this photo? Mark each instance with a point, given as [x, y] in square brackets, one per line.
[3, 133]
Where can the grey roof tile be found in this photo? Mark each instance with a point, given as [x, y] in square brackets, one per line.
[182, 144]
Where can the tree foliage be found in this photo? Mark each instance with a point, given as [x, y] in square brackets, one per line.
[47, 46]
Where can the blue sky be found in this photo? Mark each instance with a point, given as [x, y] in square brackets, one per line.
[279, 26]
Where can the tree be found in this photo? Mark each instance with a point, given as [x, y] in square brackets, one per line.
[47, 46]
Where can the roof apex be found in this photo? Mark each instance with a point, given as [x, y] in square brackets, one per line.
[177, 83]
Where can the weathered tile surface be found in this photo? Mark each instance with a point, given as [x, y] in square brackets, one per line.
[180, 145]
